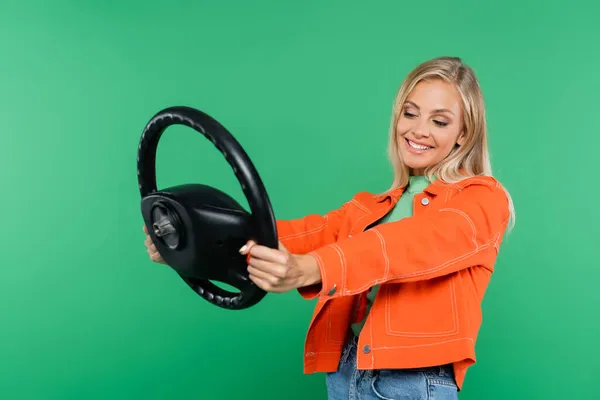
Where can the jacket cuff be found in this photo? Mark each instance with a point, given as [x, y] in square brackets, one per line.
[313, 291]
[310, 292]
[332, 277]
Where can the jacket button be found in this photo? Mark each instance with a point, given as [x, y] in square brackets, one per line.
[332, 291]
[366, 349]
[424, 201]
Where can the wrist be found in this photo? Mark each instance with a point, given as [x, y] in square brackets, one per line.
[311, 273]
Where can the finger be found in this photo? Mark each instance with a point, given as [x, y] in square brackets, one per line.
[246, 248]
[271, 279]
[155, 256]
[145, 229]
[282, 247]
[264, 285]
[261, 283]
[149, 244]
[268, 254]
[276, 270]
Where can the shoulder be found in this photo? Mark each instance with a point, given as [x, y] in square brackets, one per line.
[476, 181]
[482, 196]
[363, 202]
[481, 189]
[484, 187]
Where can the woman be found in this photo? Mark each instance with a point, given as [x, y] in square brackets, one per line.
[400, 276]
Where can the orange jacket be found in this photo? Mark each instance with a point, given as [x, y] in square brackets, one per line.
[433, 269]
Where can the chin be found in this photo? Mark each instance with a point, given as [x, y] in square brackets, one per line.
[417, 169]
[410, 162]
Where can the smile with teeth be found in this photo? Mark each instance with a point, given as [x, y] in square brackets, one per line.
[417, 146]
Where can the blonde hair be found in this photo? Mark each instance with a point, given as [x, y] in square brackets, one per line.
[472, 157]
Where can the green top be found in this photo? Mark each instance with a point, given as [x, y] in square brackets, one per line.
[404, 208]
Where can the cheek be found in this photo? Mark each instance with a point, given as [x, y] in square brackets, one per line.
[446, 142]
[402, 126]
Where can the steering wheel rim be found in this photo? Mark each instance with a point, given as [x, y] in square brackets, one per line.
[263, 218]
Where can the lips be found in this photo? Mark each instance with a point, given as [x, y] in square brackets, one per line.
[418, 146]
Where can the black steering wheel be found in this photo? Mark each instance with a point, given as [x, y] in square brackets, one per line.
[197, 229]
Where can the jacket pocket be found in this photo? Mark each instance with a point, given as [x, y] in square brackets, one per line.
[421, 309]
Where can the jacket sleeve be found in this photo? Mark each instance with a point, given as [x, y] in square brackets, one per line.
[466, 232]
[306, 234]
[303, 235]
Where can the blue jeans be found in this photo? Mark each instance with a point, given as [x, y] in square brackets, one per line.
[348, 383]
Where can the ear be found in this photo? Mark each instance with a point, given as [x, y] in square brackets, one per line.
[460, 139]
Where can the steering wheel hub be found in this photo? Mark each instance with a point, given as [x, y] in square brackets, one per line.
[166, 225]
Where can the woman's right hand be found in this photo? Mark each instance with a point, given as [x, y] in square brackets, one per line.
[152, 252]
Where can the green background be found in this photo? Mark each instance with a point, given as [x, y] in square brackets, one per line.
[307, 89]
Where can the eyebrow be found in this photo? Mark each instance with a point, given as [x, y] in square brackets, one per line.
[439, 110]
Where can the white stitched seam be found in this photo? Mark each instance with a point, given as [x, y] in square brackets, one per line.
[371, 341]
[304, 233]
[424, 272]
[454, 330]
[422, 345]
[320, 262]
[469, 220]
[468, 182]
[358, 220]
[384, 251]
[329, 340]
[499, 235]
[314, 353]
[401, 347]
[342, 265]
[355, 202]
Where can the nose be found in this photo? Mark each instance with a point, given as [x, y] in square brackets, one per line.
[420, 129]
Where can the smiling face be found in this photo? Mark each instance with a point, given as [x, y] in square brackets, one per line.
[430, 124]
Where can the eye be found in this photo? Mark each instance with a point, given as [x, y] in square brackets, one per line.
[409, 115]
[440, 123]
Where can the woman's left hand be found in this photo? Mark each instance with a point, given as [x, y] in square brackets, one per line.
[279, 271]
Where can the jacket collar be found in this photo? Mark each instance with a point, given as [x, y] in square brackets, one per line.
[434, 188]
